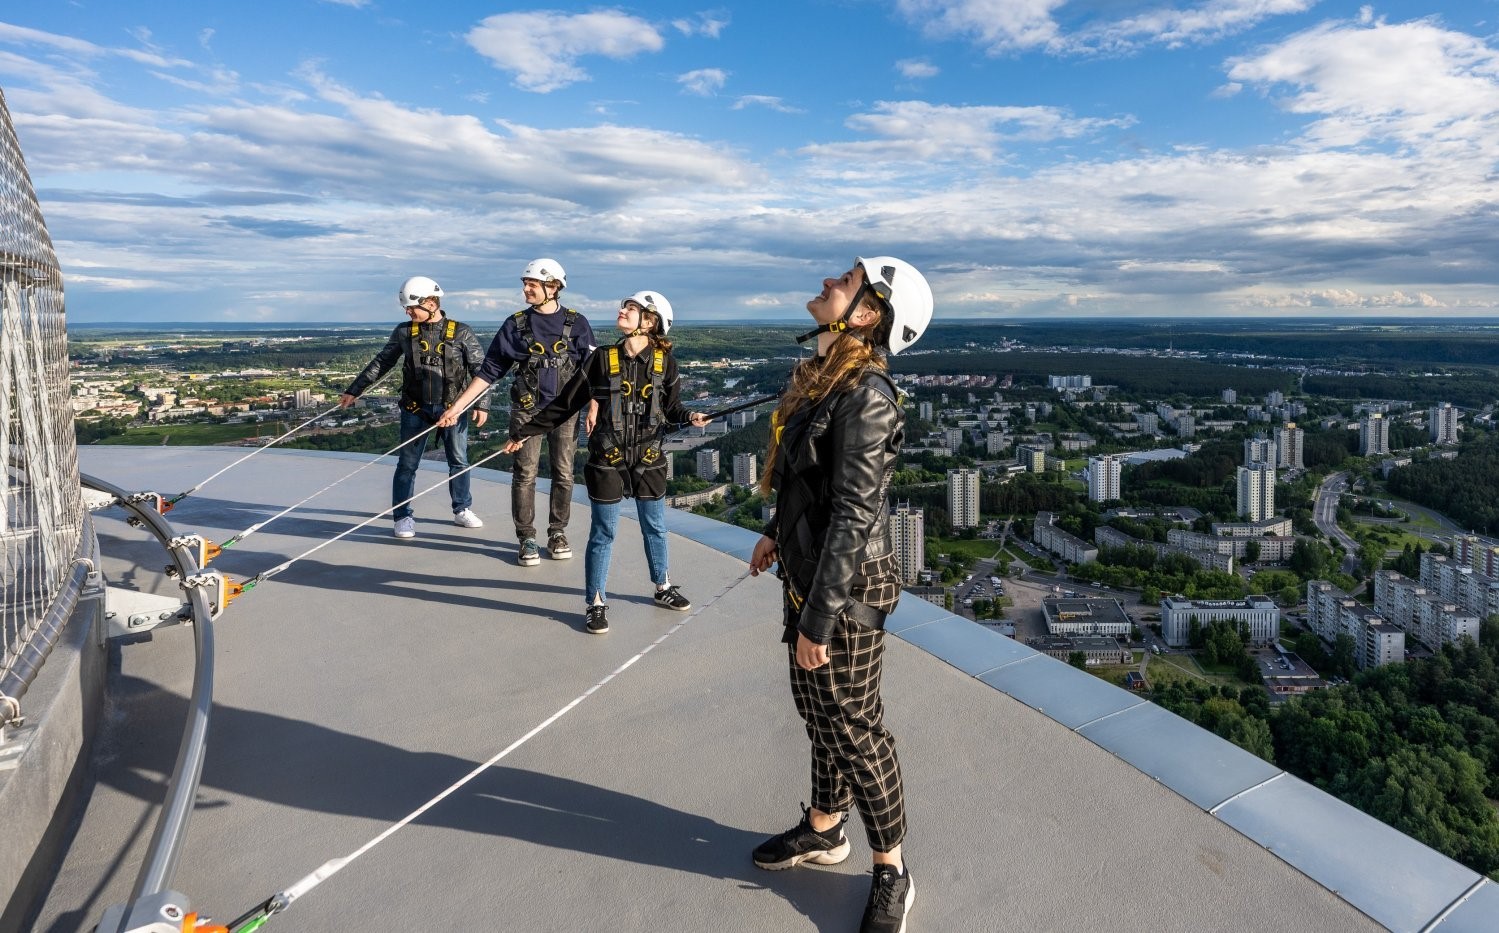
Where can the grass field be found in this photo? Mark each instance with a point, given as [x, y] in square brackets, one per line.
[976, 549]
[195, 434]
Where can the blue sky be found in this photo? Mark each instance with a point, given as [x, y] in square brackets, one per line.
[294, 160]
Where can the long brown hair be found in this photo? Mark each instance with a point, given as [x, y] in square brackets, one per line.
[850, 355]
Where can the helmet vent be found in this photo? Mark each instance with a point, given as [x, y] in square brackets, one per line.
[888, 274]
[908, 334]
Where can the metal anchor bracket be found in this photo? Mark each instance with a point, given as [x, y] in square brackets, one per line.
[131, 612]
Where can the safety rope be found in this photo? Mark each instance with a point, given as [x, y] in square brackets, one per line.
[369, 463]
[183, 495]
[284, 899]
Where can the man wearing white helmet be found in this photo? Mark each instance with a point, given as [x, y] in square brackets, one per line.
[835, 438]
[439, 356]
[545, 343]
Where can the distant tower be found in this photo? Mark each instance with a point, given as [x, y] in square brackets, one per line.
[1103, 478]
[1256, 484]
[963, 497]
[1373, 435]
[1259, 449]
[746, 469]
[1443, 421]
[1288, 444]
[707, 465]
[908, 537]
[1230, 396]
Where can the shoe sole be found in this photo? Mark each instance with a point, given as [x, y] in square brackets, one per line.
[528, 561]
[825, 857]
[406, 537]
[559, 555]
[910, 899]
[674, 608]
[462, 525]
[597, 631]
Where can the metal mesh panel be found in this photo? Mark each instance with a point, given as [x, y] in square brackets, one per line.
[41, 507]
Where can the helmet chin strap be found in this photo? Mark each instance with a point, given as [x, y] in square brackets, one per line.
[839, 326]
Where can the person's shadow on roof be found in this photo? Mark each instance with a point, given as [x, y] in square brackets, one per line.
[307, 766]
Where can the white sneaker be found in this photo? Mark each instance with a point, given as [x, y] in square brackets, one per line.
[467, 519]
[406, 527]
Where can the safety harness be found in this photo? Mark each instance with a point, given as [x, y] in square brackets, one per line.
[525, 390]
[634, 415]
[428, 359]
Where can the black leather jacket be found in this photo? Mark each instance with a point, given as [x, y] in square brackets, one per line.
[435, 376]
[831, 531]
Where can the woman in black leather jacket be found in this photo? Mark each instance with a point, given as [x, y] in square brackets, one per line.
[834, 442]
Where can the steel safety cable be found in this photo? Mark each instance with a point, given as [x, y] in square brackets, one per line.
[369, 463]
[267, 574]
[284, 899]
[183, 495]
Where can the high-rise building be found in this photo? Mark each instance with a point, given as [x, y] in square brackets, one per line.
[746, 469]
[1069, 382]
[908, 538]
[1289, 441]
[707, 465]
[1373, 435]
[963, 497]
[1443, 421]
[1186, 425]
[1274, 397]
[924, 410]
[1103, 478]
[1257, 491]
[1230, 396]
[953, 438]
[302, 398]
[1032, 457]
[1259, 449]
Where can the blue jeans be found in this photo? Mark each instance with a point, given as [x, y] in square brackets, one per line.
[455, 445]
[605, 519]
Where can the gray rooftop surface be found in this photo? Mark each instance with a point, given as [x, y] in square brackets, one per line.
[370, 676]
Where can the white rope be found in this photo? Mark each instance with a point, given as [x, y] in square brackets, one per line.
[333, 866]
[296, 505]
[273, 443]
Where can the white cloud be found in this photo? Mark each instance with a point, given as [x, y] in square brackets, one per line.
[915, 68]
[542, 49]
[1174, 27]
[762, 100]
[22, 35]
[920, 131]
[1346, 299]
[1415, 84]
[710, 24]
[997, 25]
[704, 82]
[1004, 26]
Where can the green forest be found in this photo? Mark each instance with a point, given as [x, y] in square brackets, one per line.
[1415, 745]
[1466, 488]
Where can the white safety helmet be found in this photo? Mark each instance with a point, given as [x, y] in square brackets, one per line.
[906, 292]
[655, 302]
[416, 288]
[546, 270]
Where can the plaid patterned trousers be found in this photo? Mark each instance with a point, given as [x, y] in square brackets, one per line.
[853, 754]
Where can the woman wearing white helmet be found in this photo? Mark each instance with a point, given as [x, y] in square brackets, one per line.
[835, 438]
[633, 394]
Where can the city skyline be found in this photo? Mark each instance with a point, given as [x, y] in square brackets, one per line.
[295, 161]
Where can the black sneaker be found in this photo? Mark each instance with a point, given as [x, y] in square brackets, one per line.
[528, 556]
[671, 598]
[890, 897]
[598, 620]
[558, 548]
[802, 843]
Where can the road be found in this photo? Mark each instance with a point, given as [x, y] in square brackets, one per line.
[1325, 514]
